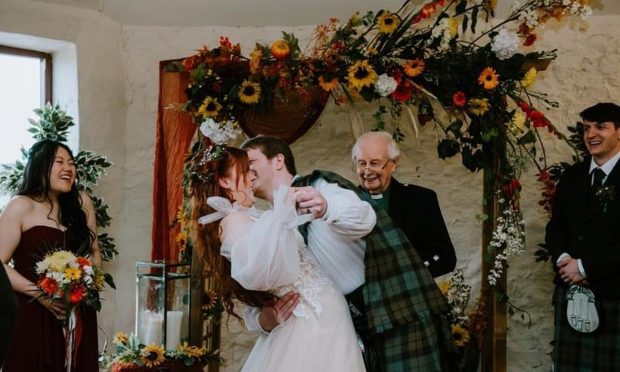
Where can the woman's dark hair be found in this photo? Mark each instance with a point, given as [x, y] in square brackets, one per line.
[207, 167]
[36, 185]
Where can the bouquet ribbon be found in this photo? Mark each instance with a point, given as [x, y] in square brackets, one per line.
[73, 337]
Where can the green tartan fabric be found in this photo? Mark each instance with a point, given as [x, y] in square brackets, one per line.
[404, 308]
[598, 351]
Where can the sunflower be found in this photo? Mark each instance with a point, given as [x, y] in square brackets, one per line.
[249, 92]
[479, 106]
[388, 22]
[209, 300]
[328, 84]
[414, 67]
[152, 355]
[120, 338]
[181, 237]
[460, 335]
[517, 123]
[361, 75]
[210, 107]
[191, 351]
[529, 77]
[488, 78]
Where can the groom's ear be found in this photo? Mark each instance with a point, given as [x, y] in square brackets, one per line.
[278, 162]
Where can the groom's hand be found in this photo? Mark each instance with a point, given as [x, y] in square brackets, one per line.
[310, 201]
[271, 316]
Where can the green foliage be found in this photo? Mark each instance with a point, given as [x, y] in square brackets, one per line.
[54, 124]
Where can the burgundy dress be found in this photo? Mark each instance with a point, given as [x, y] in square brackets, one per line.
[38, 343]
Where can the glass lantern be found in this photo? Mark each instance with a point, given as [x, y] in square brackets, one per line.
[163, 303]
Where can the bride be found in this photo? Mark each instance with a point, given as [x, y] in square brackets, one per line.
[258, 257]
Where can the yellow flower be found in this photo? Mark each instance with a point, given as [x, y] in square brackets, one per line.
[99, 280]
[479, 106]
[255, 60]
[181, 237]
[388, 22]
[517, 123]
[460, 335]
[444, 286]
[414, 67]
[73, 273]
[488, 78]
[152, 355]
[361, 75]
[490, 4]
[59, 260]
[210, 107]
[529, 77]
[328, 85]
[453, 24]
[249, 92]
[120, 338]
[209, 300]
[191, 351]
[181, 216]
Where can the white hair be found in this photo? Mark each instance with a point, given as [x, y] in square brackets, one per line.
[392, 147]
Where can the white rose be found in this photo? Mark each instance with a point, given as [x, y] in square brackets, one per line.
[385, 85]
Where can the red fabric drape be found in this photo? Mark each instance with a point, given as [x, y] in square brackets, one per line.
[175, 131]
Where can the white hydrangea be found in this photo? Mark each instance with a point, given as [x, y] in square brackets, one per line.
[219, 133]
[385, 85]
[505, 44]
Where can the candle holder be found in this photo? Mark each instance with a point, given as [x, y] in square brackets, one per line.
[163, 303]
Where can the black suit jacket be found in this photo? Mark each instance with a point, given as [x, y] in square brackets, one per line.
[7, 313]
[415, 210]
[581, 228]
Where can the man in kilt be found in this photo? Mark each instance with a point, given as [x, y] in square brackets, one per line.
[583, 239]
[396, 306]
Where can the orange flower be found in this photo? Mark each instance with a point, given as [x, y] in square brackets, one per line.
[82, 261]
[414, 67]
[328, 85]
[48, 285]
[489, 79]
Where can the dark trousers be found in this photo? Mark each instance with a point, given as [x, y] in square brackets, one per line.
[8, 311]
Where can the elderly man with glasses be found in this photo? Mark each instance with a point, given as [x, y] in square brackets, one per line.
[413, 208]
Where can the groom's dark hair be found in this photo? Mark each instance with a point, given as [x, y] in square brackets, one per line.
[270, 147]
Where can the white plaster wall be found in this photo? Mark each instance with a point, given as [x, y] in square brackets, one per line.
[118, 88]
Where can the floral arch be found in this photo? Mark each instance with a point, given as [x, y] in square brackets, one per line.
[431, 63]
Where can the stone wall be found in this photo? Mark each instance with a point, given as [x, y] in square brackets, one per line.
[118, 87]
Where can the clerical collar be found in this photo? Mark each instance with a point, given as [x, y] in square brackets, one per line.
[376, 196]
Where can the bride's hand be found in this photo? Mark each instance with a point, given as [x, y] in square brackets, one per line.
[271, 316]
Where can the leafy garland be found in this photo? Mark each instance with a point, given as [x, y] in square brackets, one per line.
[54, 124]
[429, 63]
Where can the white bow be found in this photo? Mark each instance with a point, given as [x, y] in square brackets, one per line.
[222, 207]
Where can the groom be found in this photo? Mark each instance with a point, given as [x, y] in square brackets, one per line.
[396, 306]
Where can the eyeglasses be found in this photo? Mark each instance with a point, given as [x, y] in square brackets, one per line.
[373, 165]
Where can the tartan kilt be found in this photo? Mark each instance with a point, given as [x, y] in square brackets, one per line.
[424, 345]
[598, 351]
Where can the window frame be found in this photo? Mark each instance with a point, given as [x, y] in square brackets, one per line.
[46, 68]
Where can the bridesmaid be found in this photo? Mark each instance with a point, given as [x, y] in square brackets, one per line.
[48, 213]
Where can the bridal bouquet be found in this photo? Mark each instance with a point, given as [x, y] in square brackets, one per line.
[72, 279]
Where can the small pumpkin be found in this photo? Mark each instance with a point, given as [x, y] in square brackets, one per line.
[280, 49]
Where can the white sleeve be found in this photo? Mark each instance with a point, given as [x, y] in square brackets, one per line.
[250, 318]
[263, 253]
[346, 213]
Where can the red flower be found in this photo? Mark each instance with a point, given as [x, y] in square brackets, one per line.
[459, 99]
[76, 293]
[427, 10]
[403, 91]
[190, 63]
[537, 118]
[48, 285]
[225, 42]
[530, 39]
[524, 106]
[511, 187]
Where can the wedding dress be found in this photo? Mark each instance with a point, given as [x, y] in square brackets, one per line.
[269, 254]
